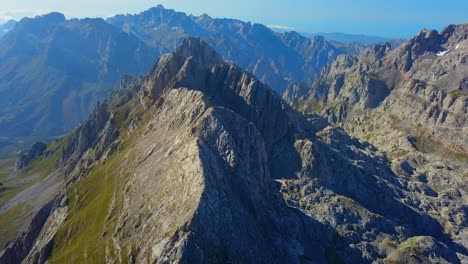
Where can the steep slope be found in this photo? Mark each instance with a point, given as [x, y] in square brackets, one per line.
[206, 164]
[274, 58]
[423, 82]
[53, 71]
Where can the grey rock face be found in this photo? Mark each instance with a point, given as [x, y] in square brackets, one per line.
[421, 82]
[415, 112]
[24, 158]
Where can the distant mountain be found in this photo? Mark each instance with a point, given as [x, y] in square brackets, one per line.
[358, 38]
[4, 28]
[275, 58]
[53, 71]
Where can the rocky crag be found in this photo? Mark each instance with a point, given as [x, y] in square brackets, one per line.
[411, 103]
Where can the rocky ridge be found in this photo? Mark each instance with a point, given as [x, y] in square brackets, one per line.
[244, 179]
[275, 58]
[423, 82]
[411, 103]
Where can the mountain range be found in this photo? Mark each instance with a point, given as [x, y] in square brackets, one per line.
[53, 71]
[275, 58]
[358, 38]
[238, 145]
[245, 179]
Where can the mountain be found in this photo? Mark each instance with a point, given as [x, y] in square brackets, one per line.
[422, 81]
[53, 71]
[275, 58]
[411, 103]
[4, 28]
[201, 162]
[358, 38]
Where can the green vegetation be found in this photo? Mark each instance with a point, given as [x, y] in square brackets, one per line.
[458, 93]
[423, 144]
[11, 220]
[398, 153]
[389, 243]
[369, 136]
[92, 202]
[33, 173]
[407, 246]
[313, 107]
[13, 183]
[6, 167]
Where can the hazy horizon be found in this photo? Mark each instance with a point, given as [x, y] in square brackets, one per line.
[398, 19]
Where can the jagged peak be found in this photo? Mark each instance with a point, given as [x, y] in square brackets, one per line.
[43, 20]
[160, 8]
[54, 17]
[40, 24]
[378, 51]
[427, 40]
[190, 59]
[10, 22]
[344, 60]
[455, 33]
[318, 39]
[199, 51]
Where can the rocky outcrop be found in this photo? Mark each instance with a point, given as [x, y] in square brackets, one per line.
[421, 82]
[24, 158]
[418, 120]
[17, 252]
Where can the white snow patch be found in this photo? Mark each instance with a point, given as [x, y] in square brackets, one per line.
[281, 27]
[458, 46]
[441, 53]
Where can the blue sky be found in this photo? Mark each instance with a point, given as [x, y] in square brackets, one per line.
[389, 18]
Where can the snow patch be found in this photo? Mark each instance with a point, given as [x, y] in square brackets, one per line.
[458, 46]
[441, 53]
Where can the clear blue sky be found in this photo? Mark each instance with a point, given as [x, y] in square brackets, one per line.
[390, 18]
